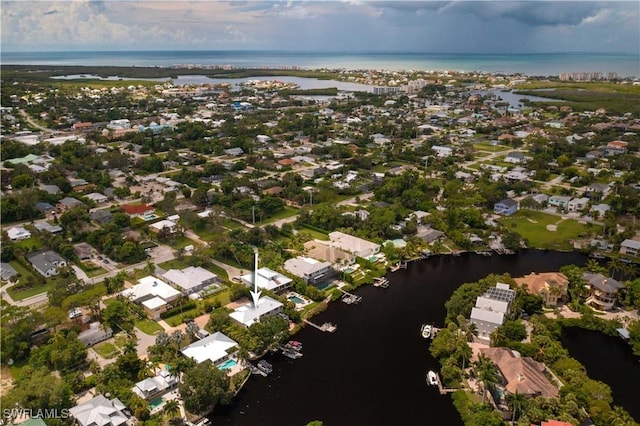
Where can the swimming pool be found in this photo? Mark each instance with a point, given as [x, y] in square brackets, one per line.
[155, 403]
[296, 300]
[230, 363]
[150, 216]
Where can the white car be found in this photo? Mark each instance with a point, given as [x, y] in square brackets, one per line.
[75, 313]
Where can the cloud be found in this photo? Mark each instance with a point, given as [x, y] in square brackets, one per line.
[437, 26]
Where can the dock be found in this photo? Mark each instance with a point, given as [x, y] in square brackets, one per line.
[327, 326]
[381, 282]
[399, 265]
[350, 298]
[442, 389]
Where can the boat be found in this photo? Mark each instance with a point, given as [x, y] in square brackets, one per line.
[291, 353]
[425, 331]
[265, 366]
[295, 345]
[432, 378]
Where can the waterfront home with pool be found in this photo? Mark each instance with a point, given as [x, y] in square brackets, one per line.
[158, 385]
[216, 348]
[267, 279]
[248, 314]
[310, 270]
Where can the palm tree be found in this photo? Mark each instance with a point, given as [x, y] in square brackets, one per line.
[517, 402]
[171, 409]
[487, 372]
[615, 265]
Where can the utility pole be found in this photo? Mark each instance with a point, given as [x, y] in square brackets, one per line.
[253, 214]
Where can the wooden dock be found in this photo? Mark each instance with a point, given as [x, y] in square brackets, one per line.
[443, 390]
[381, 282]
[350, 298]
[327, 326]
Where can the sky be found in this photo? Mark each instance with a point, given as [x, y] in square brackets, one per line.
[498, 26]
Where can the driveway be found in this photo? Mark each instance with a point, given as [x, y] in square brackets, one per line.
[144, 341]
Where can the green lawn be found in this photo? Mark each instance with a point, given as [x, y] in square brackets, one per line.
[230, 223]
[532, 226]
[29, 244]
[179, 242]
[90, 269]
[148, 327]
[315, 234]
[490, 148]
[20, 295]
[107, 350]
[283, 214]
[178, 319]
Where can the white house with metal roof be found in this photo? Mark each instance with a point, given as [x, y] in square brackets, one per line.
[153, 294]
[190, 280]
[267, 279]
[248, 314]
[349, 243]
[18, 233]
[491, 309]
[216, 348]
[310, 270]
[100, 411]
[155, 386]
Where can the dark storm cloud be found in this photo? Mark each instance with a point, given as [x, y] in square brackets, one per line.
[534, 13]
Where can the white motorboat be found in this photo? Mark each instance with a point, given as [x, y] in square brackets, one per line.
[432, 378]
[426, 331]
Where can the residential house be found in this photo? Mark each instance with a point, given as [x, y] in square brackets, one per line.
[597, 191]
[83, 251]
[442, 151]
[505, 207]
[190, 280]
[68, 203]
[604, 291]
[234, 151]
[7, 272]
[18, 233]
[630, 247]
[616, 147]
[321, 250]
[45, 208]
[46, 262]
[46, 227]
[153, 294]
[577, 204]
[102, 217]
[521, 375]
[267, 279]
[551, 286]
[97, 198]
[96, 333]
[248, 314]
[165, 226]
[516, 158]
[491, 309]
[100, 411]
[357, 246]
[310, 270]
[135, 210]
[599, 210]
[428, 234]
[153, 387]
[560, 201]
[216, 347]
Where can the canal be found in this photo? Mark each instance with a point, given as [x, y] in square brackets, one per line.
[372, 370]
[613, 363]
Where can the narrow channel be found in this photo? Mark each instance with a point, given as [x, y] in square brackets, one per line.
[372, 370]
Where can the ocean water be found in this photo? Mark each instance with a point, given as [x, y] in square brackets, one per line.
[543, 64]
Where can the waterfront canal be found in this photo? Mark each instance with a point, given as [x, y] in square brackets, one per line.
[372, 370]
[613, 363]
